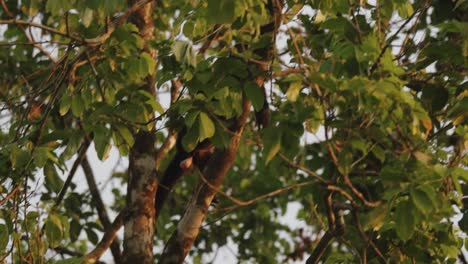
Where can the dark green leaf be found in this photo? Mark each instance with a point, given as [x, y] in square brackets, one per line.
[77, 105]
[255, 95]
[53, 182]
[53, 230]
[4, 237]
[422, 200]
[102, 142]
[191, 139]
[221, 11]
[404, 220]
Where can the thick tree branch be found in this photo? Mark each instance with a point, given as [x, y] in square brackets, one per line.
[107, 239]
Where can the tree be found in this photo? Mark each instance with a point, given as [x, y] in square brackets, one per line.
[354, 110]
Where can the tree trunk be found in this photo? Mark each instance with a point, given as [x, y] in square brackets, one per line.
[142, 179]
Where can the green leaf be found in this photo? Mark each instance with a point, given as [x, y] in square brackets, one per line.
[53, 230]
[57, 7]
[192, 115]
[272, 142]
[92, 236]
[207, 127]
[255, 95]
[379, 153]
[126, 134]
[221, 11]
[101, 142]
[293, 91]
[151, 100]
[65, 104]
[53, 182]
[191, 138]
[74, 260]
[77, 105]
[87, 17]
[72, 146]
[345, 159]
[184, 53]
[40, 156]
[30, 7]
[404, 220]
[150, 62]
[4, 237]
[422, 200]
[18, 157]
[375, 218]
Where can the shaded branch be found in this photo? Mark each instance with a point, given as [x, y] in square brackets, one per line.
[10, 194]
[107, 239]
[100, 207]
[88, 41]
[389, 42]
[336, 228]
[79, 159]
[365, 237]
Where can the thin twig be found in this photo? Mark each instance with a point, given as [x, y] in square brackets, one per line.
[9, 195]
[79, 159]
[389, 42]
[302, 168]
[365, 237]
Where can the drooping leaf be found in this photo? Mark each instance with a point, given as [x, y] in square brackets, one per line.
[53, 230]
[191, 138]
[207, 127]
[255, 95]
[4, 236]
[65, 104]
[221, 11]
[77, 105]
[404, 220]
[102, 141]
[126, 134]
[53, 182]
[272, 142]
[422, 200]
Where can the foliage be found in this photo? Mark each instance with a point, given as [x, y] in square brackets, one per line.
[368, 124]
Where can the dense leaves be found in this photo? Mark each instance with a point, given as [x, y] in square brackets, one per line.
[368, 130]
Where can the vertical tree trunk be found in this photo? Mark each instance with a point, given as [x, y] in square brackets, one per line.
[142, 180]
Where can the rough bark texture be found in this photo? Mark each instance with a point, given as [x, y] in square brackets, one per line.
[142, 180]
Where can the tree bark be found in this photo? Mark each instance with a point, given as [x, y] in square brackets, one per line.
[142, 178]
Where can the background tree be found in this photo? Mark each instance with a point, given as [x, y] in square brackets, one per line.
[354, 110]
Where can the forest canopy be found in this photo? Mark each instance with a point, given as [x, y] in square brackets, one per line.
[225, 115]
